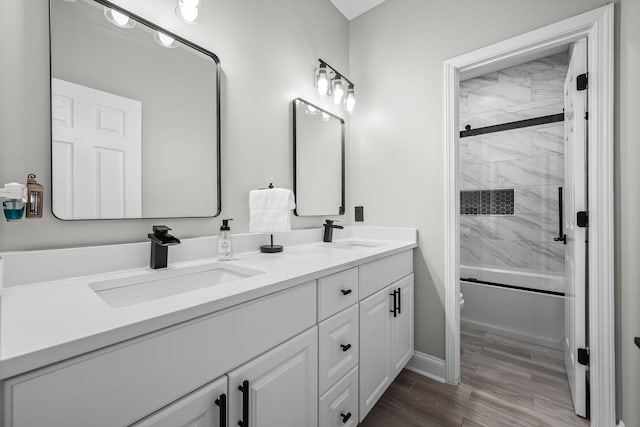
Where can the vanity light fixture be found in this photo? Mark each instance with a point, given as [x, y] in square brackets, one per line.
[188, 10]
[329, 81]
[322, 79]
[350, 100]
[336, 88]
[118, 19]
[164, 40]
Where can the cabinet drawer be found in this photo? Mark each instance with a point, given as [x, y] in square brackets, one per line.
[200, 408]
[339, 345]
[337, 292]
[379, 274]
[125, 382]
[338, 407]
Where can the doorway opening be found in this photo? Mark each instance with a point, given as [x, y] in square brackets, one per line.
[540, 269]
[523, 262]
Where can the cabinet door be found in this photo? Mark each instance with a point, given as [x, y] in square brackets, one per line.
[375, 348]
[402, 326]
[279, 388]
[205, 407]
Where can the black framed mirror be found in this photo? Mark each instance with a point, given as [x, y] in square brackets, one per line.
[135, 117]
[318, 160]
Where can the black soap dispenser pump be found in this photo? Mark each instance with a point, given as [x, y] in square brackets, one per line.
[225, 247]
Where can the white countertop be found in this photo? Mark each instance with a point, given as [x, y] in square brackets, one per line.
[47, 322]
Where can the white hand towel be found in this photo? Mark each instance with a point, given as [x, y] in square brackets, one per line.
[270, 210]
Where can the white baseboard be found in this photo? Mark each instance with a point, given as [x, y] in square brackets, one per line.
[428, 366]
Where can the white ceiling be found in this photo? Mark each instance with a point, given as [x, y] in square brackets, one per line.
[353, 8]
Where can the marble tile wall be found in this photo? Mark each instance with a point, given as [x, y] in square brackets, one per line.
[529, 160]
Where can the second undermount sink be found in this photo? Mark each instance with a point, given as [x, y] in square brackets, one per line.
[351, 244]
[137, 289]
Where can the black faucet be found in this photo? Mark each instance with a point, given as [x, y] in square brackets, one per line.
[328, 229]
[160, 241]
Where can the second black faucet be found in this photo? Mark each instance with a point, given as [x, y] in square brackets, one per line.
[328, 230]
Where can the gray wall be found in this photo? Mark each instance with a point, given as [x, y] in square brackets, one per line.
[396, 54]
[268, 52]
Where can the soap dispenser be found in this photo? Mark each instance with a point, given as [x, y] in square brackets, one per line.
[225, 249]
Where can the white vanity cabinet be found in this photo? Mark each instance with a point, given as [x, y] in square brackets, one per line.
[279, 388]
[205, 407]
[317, 354]
[386, 327]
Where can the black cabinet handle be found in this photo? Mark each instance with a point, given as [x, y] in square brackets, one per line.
[244, 388]
[222, 404]
[345, 417]
[395, 303]
[637, 341]
[345, 347]
[399, 301]
[561, 236]
[346, 291]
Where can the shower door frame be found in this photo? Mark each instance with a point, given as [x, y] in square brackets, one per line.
[597, 26]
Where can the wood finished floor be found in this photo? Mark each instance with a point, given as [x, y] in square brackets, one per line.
[504, 382]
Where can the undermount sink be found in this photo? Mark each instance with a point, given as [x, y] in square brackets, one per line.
[137, 289]
[350, 245]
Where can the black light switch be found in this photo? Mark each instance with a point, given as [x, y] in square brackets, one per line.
[359, 213]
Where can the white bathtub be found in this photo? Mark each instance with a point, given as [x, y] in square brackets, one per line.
[529, 316]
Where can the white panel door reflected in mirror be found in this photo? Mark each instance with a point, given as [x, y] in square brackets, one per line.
[170, 167]
[318, 164]
[96, 147]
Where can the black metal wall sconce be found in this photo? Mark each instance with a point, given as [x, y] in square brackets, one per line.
[331, 82]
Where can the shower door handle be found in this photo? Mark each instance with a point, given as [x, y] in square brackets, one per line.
[561, 236]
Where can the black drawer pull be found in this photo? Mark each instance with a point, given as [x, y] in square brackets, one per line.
[244, 388]
[345, 347]
[222, 404]
[345, 417]
[346, 291]
[395, 303]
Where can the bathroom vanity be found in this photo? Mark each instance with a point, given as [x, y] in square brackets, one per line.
[309, 337]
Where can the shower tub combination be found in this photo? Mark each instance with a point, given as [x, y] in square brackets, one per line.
[511, 157]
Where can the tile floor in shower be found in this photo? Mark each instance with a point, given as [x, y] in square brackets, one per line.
[504, 382]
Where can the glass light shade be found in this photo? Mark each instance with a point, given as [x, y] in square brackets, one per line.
[118, 19]
[350, 101]
[325, 117]
[322, 81]
[164, 40]
[338, 91]
[188, 10]
[311, 110]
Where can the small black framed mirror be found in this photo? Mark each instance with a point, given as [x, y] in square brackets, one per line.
[318, 160]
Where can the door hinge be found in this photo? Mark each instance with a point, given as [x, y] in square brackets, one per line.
[586, 115]
[582, 81]
[583, 356]
[582, 219]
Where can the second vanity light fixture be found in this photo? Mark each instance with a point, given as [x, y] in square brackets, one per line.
[331, 82]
